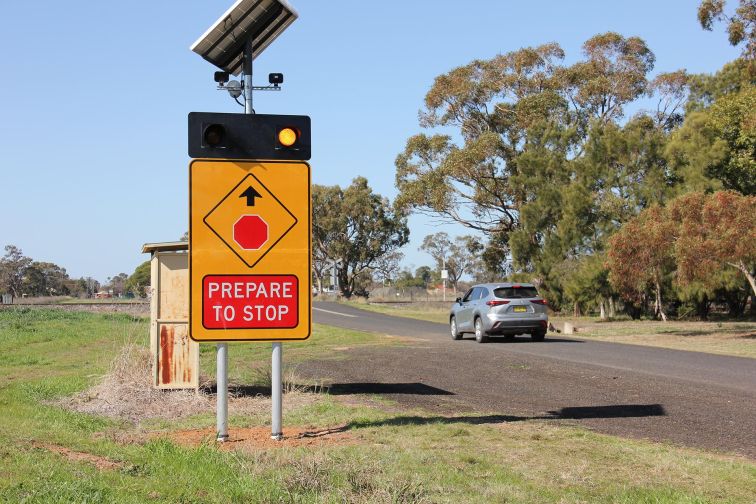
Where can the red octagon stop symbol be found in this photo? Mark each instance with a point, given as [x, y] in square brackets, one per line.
[251, 232]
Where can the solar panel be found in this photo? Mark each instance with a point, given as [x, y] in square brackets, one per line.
[262, 20]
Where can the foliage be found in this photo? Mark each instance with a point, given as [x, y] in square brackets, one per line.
[542, 165]
[13, 266]
[117, 284]
[539, 157]
[705, 89]
[697, 238]
[422, 277]
[355, 227]
[454, 256]
[45, 279]
[387, 266]
[741, 25]
[583, 281]
[640, 254]
[714, 232]
[716, 146]
[139, 280]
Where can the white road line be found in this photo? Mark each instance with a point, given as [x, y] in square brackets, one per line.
[336, 313]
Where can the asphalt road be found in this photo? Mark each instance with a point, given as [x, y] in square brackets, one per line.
[688, 398]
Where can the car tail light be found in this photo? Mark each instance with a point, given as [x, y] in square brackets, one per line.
[498, 302]
[539, 301]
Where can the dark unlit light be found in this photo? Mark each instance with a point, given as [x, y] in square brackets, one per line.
[214, 135]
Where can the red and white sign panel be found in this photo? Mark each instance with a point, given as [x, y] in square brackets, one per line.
[250, 301]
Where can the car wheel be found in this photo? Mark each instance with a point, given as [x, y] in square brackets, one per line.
[480, 334]
[538, 336]
[456, 335]
[509, 337]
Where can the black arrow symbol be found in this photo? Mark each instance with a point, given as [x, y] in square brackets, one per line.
[250, 194]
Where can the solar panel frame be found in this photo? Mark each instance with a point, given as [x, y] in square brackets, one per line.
[263, 20]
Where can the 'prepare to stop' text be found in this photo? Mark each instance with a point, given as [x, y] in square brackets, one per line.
[250, 301]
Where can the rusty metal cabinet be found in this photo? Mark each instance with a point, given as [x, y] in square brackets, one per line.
[175, 356]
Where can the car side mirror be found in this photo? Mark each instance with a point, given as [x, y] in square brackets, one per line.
[458, 300]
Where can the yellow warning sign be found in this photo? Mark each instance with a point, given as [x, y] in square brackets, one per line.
[249, 250]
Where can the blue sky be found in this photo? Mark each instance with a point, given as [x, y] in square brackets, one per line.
[94, 98]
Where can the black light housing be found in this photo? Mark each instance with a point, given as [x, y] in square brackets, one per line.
[249, 136]
[275, 78]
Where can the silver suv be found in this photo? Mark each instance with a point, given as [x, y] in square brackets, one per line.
[504, 309]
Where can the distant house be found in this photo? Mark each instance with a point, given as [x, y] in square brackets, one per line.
[103, 295]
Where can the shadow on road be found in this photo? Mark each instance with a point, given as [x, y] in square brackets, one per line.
[573, 413]
[384, 388]
[613, 411]
[526, 339]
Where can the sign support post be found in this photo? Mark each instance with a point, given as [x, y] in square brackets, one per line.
[254, 200]
[221, 392]
[276, 392]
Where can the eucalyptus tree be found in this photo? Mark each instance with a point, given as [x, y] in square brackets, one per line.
[539, 159]
[353, 228]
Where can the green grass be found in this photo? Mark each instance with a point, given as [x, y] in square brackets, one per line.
[391, 456]
[248, 360]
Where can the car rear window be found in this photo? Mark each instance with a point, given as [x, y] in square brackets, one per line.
[515, 292]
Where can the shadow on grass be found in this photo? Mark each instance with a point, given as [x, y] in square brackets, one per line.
[571, 413]
[334, 389]
[384, 388]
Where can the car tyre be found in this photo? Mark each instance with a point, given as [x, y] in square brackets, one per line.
[455, 334]
[480, 334]
[538, 336]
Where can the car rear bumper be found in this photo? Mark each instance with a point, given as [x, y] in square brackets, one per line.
[504, 325]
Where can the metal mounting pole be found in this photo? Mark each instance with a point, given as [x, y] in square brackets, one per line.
[247, 69]
[443, 269]
[221, 392]
[276, 392]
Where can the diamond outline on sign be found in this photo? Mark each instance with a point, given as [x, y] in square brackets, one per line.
[296, 221]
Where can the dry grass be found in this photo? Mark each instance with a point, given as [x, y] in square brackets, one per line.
[126, 392]
[726, 338]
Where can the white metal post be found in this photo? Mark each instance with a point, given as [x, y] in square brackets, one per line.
[221, 395]
[276, 395]
[443, 269]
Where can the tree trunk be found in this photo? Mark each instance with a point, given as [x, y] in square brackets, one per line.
[602, 310]
[702, 308]
[612, 309]
[658, 308]
[742, 267]
[576, 309]
[345, 286]
[319, 279]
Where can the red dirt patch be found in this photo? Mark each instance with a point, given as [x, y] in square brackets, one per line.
[101, 463]
[259, 437]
